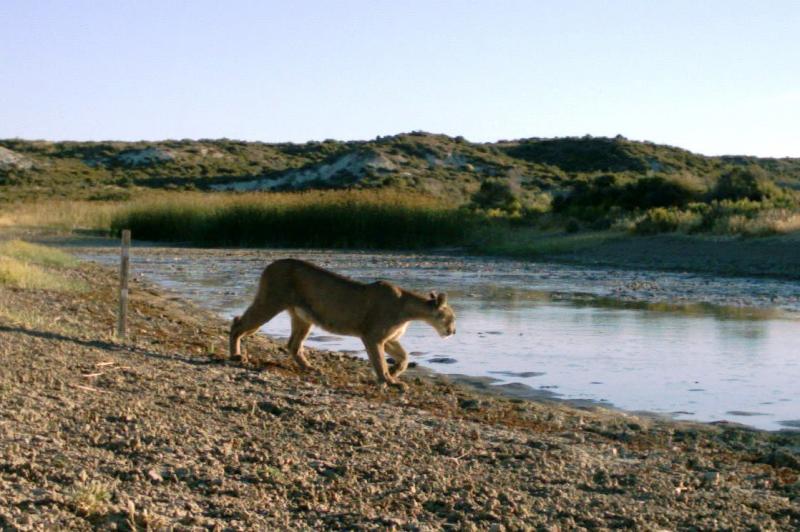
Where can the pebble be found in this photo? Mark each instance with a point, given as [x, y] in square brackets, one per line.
[154, 475]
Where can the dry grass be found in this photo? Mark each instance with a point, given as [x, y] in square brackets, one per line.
[60, 214]
[36, 254]
[24, 265]
[91, 499]
[35, 319]
[763, 223]
[145, 520]
[18, 274]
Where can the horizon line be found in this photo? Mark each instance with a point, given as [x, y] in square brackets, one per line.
[379, 137]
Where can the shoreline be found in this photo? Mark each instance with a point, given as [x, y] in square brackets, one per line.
[162, 431]
[585, 259]
[768, 257]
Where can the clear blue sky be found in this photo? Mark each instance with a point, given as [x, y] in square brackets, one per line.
[710, 76]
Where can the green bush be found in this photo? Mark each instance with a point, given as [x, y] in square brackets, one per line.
[589, 200]
[668, 220]
[743, 217]
[744, 183]
[763, 223]
[748, 217]
[572, 226]
[496, 194]
[652, 192]
[585, 154]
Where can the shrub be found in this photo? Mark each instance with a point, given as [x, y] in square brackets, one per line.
[721, 210]
[742, 217]
[589, 200]
[749, 182]
[496, 194]
[537, 204]
[90, 499]
[572, 226]
[667, 220]
[597, 195]
[579, 154]
[652, 192]
[760, 223]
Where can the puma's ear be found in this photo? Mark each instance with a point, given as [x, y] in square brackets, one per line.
[432, 301]
[441, 300]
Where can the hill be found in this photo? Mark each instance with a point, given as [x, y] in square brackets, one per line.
[442, 166]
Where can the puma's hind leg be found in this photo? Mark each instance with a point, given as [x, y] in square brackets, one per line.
[253, 318]
[300, 330]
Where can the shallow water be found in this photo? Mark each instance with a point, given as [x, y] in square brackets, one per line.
[685, 345]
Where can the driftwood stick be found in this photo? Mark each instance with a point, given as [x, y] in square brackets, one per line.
[89, 388]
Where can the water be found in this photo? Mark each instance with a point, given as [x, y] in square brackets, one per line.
[684, 345]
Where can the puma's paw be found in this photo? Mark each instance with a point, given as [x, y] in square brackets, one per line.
[396, 376]
[398, 385]
[239, 358]
[403, 387]
[308, 368]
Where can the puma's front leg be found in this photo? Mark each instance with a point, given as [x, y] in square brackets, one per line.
[400, 357]
[375, 352]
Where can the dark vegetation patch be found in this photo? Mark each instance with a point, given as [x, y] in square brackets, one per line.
[343, 219]
[579, 155]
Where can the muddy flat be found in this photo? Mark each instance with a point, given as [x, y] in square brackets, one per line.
[774, 256]
[161, 431]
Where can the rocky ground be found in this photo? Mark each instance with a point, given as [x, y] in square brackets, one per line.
[161, 432]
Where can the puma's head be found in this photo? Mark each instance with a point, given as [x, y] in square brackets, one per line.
[442, 319]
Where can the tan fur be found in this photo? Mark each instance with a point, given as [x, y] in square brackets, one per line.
[378, 313]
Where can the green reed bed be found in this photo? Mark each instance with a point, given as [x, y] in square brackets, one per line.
[343, 219]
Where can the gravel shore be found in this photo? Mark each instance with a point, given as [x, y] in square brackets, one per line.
[161, 431]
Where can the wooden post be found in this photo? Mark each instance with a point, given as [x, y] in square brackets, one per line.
[124, 269]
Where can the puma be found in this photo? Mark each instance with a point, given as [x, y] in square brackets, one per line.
[378, 313]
